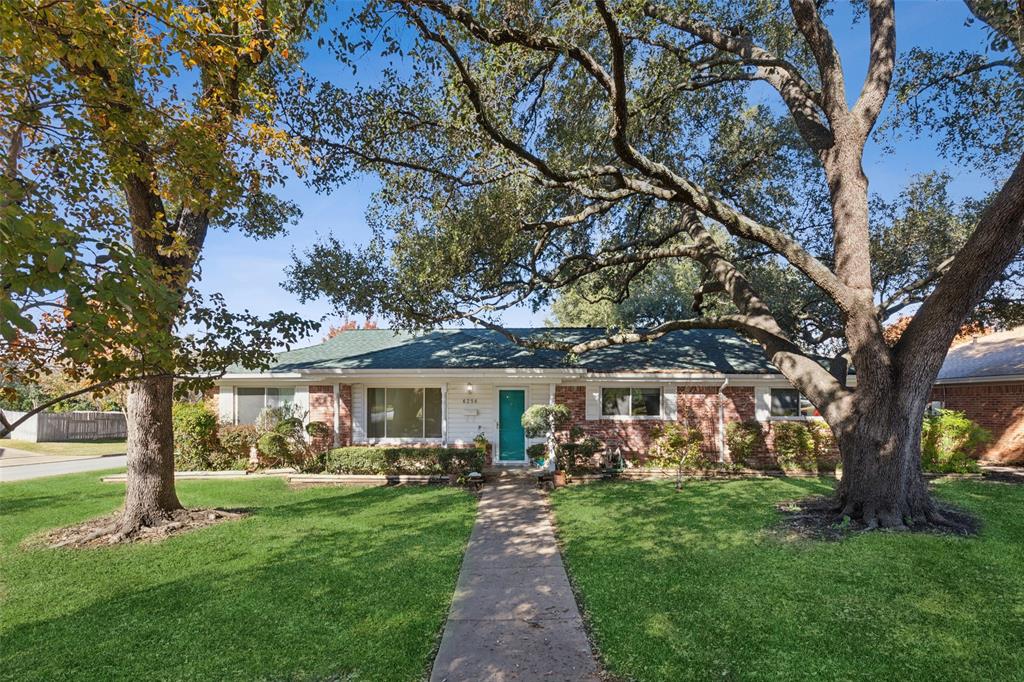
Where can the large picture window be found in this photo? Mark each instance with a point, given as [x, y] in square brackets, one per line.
[249, 402]
[413, 413]
[788, 402]
[630, 402]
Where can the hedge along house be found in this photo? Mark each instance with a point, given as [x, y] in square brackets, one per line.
[448, 387]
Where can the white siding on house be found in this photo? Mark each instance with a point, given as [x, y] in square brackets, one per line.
[470, 413]
[226, 402]
[358, 413]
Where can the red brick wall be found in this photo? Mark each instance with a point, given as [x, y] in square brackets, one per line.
[699, 405]
[345, 414]
[694, 404]
[321, 409]
[999, 407]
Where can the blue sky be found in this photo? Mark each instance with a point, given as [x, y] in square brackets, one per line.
[249, 273]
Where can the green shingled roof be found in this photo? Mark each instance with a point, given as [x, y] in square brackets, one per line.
[705, 350]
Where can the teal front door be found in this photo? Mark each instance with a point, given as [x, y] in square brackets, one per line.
[511, 436]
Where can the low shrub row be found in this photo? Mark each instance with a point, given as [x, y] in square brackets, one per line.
[279, 436]
[950, 443]
[397, 460]
[806, 446]
[795, 446]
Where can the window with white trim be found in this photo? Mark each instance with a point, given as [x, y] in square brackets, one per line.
[250, 401]
[403, 413]
[789, 402]
[630, 401]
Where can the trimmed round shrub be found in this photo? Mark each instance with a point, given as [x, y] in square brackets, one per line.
[289, 426]
[236, 440]
[274, 446]
[317, 430]
[537, 419]
[537, 452]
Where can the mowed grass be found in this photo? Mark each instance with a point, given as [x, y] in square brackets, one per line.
[321, 583]
[89, 448]
[688, 586]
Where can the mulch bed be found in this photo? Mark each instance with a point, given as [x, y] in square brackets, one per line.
[99, 532]
[815, 518]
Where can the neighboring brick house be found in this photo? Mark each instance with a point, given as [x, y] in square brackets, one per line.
[984, 378]
[449, 386]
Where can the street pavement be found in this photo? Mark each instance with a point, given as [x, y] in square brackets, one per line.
[19, 465]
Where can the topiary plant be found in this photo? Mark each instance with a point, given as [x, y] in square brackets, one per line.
[541, 421]
[317, 429]
[275, 447]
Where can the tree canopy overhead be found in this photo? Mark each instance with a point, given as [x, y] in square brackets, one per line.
[532, 145]
[130, 129]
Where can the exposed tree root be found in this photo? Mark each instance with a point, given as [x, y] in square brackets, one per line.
[823, 518]
[111, 530]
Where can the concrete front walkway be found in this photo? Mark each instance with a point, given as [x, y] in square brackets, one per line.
[514, 616]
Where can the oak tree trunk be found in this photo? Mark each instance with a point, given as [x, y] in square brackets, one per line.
[879, 439]
[150, 497]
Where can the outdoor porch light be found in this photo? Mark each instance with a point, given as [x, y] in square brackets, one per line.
[469, 388]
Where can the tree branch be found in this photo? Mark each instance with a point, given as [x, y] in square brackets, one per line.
[880, 66]
[800, 98]
[833, 93]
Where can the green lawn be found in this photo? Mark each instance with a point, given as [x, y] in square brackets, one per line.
[90, 448]
[321, 583]
[688, 586]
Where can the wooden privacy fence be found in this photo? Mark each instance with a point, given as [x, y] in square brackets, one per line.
[69, 426]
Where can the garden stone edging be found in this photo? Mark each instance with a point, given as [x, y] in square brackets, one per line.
[293, 477]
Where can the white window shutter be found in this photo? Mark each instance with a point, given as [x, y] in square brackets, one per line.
[302, 400]
[593, 402]
[668, 402]
[762, 403]
[358, 413]
[227, 404]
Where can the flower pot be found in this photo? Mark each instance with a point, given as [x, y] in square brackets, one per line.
[559, 479]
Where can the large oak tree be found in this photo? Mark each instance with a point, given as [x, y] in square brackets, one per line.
[531, 145]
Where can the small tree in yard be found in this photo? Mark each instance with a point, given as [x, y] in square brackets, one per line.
[532, 147]
[679, 447]
[131, 129]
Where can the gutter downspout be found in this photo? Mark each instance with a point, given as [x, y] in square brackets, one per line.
[721, 421]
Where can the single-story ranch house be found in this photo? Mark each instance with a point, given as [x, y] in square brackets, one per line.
[450, 386]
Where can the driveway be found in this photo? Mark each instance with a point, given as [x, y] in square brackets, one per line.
[18, 465]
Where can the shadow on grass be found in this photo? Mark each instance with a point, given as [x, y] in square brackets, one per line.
[334, 583]
[688, 586]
